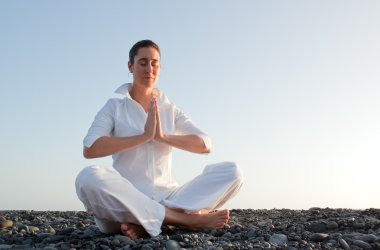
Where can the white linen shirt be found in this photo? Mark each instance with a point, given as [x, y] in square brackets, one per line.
[147, 166]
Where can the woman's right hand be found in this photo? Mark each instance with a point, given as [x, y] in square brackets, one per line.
[150, 125]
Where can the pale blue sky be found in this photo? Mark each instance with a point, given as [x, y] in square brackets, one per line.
[290, 90]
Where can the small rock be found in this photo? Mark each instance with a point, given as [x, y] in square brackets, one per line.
[264, 223]
[266, 245]
[43, 235]
[88, 233]
[343, 244]
[318, 237]
[115, 242]
[33, 229]
[68, 230]
[227, 235]
[172, 245]
[252, 233]
[51, 230]
[278, 239]
[376, 246]
[125, 240]
[369, 238]
[332, 225]
[318, 227]
[362, 244]
[6, 224]
[358, 225]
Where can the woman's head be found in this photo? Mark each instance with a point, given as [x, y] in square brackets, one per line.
[142, 44]
[144, 62]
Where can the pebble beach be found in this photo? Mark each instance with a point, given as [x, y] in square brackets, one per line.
[315, 228]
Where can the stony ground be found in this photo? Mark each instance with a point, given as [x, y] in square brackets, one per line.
[316, 228]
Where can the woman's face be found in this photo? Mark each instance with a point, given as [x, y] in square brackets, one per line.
[146, 66]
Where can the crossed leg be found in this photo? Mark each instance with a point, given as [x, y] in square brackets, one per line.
[202, 221]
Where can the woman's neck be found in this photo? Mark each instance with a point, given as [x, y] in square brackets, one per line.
[142, 95]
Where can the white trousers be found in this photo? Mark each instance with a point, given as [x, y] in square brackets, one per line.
[113, 200]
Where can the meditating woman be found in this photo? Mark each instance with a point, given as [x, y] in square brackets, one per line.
[138, 195]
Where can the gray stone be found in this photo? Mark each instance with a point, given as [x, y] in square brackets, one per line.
[318, 237]
[125, 240]
[318, 227]
[344, 244]
[266, 245]
[278, 239]
[265, 223]
[362, 244]
[115, 242]
[227, 235]
[376, 246]
[88, 233]
[172, 245]
[5, 246]
[332, 225]
[43, 235]
[252, 233]
[359, 225]
[369, 238]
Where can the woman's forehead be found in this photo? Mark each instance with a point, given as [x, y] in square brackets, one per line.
[148, 53]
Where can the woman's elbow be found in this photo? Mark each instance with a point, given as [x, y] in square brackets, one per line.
[206, 150]
[87, 153]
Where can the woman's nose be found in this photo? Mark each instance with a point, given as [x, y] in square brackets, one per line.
[149, 68]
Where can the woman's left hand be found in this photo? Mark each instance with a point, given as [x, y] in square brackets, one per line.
[159, 136]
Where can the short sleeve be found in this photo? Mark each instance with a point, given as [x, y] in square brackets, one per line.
[184, 126]
[102, 125]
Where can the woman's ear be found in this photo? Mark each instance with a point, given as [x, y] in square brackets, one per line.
[130, 67]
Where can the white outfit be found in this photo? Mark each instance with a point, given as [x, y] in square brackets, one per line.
[139, 185]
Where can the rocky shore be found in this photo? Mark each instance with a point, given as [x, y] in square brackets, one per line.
[315, 228]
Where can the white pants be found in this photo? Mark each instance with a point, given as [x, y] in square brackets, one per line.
[113, 200]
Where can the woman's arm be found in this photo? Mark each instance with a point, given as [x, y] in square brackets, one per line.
[106, 145]
[191, 142]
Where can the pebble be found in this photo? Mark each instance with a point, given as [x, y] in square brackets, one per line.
[278, 239]
[343, 244]
[332, 225]
[362, 244]
[317, 228]
[172, 245]
[6, 224]
[33, 229]
[369, 238]
[358, 225]
[318, 237]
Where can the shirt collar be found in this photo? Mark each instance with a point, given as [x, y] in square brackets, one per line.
[126, 87]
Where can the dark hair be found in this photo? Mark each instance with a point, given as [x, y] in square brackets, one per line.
[142, 44]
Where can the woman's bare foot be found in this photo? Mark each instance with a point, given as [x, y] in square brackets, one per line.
[213, 220]
[133, 231]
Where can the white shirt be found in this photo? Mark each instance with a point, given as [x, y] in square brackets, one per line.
[148, 166]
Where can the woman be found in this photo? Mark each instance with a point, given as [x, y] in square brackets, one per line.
[138, 195]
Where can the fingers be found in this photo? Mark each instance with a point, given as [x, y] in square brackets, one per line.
[151, 123]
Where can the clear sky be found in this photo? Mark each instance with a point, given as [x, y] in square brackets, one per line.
[290, 90]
